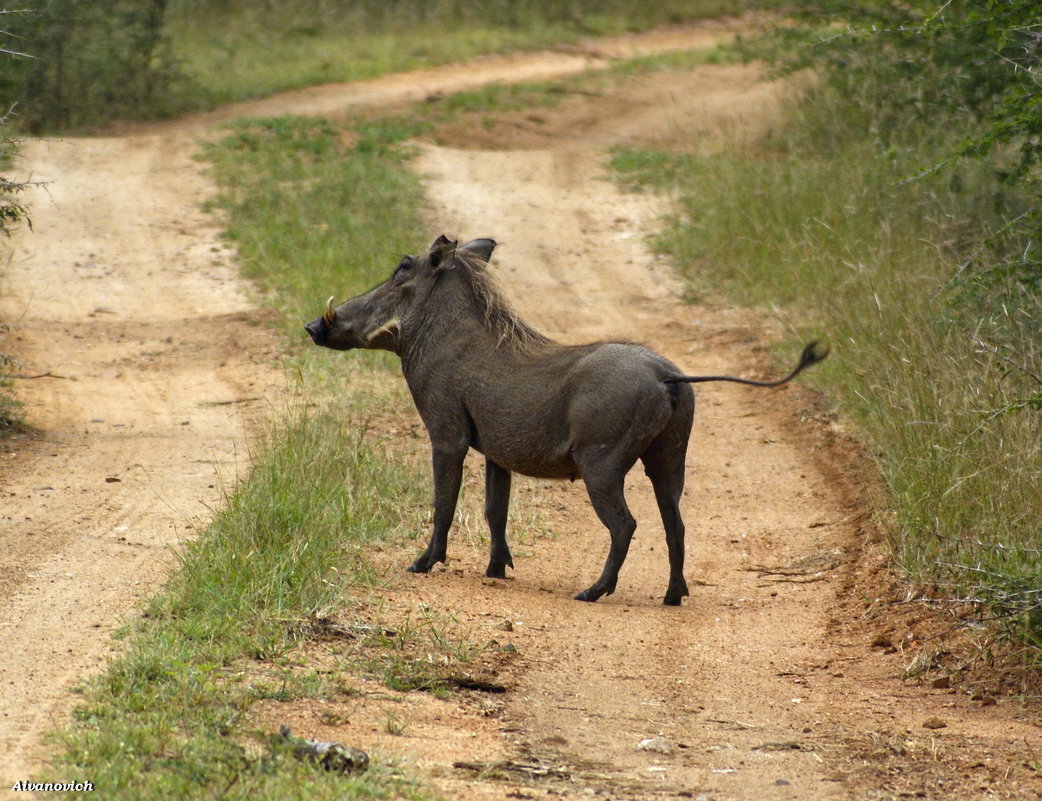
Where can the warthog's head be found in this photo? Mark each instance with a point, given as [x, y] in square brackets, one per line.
[374, 319]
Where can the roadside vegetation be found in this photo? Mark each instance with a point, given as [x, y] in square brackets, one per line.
[93, 62]
[898, 209]
[13, 212]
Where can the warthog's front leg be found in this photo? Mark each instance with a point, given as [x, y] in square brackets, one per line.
[497, 499]
[448, 474]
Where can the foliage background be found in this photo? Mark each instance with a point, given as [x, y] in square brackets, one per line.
[95, 61]
[974, 67]
[927, 130]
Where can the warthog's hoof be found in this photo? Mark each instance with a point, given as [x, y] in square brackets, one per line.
[423, 564]
[498, 562]
[674, 594]
[591, 594]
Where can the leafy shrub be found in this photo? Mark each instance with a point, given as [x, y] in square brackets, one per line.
[88, 61]
[929, 215]
[969, 66]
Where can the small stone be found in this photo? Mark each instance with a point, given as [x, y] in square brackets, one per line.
[934, 723]
[332, 757]
[941, 683]
[659, 745]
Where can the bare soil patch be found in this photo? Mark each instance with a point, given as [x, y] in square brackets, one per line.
[780, 677]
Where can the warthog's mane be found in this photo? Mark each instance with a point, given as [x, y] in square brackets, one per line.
[498, 315]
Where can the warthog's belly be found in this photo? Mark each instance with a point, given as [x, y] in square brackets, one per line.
[529, 458]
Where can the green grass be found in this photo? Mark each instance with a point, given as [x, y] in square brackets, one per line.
[13, 212]
[316, 209]
[11, 414]
[679, 60]
[170, 717]
[818, 224]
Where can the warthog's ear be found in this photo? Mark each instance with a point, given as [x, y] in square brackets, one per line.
[442, 251]
[482, 248]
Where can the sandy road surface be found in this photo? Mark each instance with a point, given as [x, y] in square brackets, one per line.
[763, 685]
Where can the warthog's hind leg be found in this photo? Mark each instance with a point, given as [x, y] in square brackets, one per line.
[667, 492]
[497, 499]
[610, 504]
[664, 464]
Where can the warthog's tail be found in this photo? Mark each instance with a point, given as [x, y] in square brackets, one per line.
[812, 354]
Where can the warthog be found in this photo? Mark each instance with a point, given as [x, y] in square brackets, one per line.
[482, 378]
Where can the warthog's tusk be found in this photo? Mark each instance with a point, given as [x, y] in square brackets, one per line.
[327, 316]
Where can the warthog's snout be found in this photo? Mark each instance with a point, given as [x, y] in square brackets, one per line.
[317, 329]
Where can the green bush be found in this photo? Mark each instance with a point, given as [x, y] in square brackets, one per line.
[949, 67]
[13, 210]
[89, 61]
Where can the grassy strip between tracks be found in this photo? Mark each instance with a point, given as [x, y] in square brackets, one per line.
[820, 223]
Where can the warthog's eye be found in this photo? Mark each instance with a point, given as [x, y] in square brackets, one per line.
[403, 269]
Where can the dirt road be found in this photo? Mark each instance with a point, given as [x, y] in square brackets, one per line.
[778, 678]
